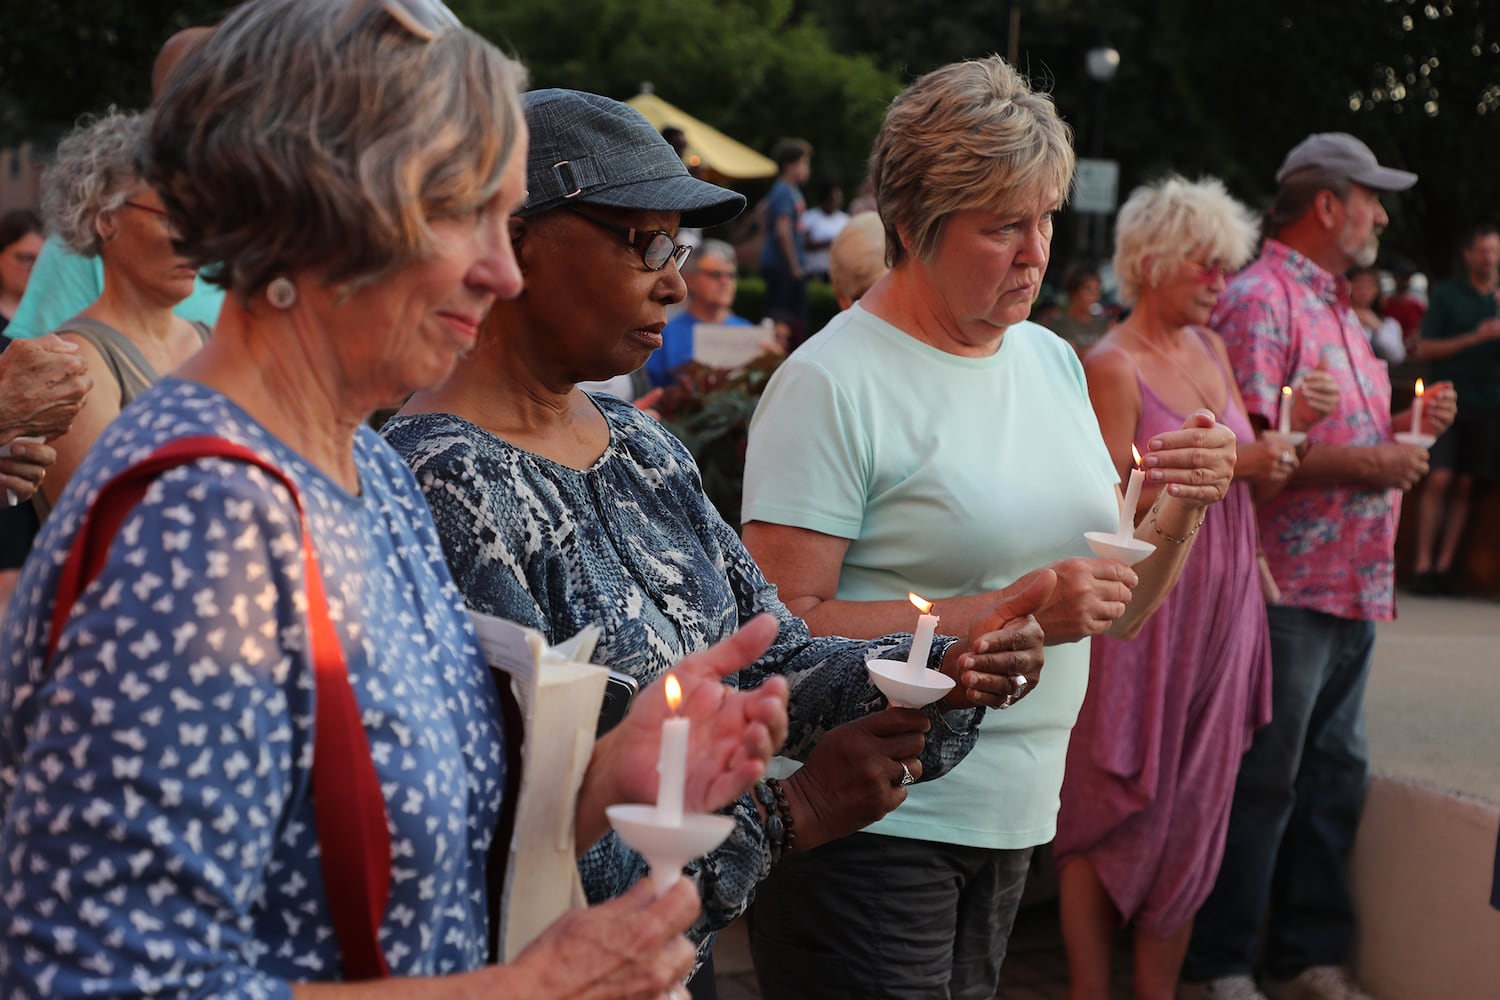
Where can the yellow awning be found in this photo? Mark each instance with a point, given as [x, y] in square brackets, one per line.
[717, 151]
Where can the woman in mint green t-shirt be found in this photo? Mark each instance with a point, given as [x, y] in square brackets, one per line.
[932, 440]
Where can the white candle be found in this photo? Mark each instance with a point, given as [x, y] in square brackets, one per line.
[1132, 498]
[1416, 409]
[671, 763]
[921, 640]
[1285, 424]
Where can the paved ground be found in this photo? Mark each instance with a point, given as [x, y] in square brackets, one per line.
[1434, 691]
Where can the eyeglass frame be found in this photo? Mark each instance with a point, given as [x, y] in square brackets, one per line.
[680, 252]
[1205, 274]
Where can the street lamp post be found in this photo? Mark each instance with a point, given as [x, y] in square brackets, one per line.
[1101, 63]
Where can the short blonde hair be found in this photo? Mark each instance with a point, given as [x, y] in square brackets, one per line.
[1173, 218]
[91, 173]
[968, 135]
[325, 136]
[856, 260]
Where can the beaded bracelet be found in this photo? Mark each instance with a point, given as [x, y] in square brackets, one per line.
[1156, 508]
[778, 822]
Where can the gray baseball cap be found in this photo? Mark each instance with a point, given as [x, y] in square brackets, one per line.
[587, 149]
[1342, 155]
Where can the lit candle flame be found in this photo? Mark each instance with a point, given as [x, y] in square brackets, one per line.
[1137, 453]
[921, 605]
[674, 693]
[1420, 388]
[1286, 390]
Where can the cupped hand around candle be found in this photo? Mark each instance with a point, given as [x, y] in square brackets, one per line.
[1005, 642]
[1194, 464]
[734, 733]
[1439, 408]
[1314, 395]
[1090, 595]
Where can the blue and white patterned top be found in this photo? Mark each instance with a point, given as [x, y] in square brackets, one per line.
[158, 832]
[634, 546]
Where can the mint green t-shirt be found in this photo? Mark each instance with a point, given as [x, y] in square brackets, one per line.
[63, 284]
[949, 476]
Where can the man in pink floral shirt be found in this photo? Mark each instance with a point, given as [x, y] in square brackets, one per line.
[1329, 539]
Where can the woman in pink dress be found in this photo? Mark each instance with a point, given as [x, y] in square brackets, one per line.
[1168, 714]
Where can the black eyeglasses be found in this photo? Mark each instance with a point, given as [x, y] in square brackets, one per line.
[655, 246]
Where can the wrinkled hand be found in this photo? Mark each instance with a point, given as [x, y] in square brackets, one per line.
[1090, 595]
[22, 470]
[853, 775]
[1003, 644]
[734, 733]
[1399, 466]
[1315, 394]
[1271, 459]
[1194, 464]
[1439, 407]
[43, 382]
[629, 947]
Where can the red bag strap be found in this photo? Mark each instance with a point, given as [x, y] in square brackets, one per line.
[354, 841]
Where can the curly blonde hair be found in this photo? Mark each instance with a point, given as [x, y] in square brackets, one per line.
[1172, 219]
[326, 137]
[967, 135]
[93, 169]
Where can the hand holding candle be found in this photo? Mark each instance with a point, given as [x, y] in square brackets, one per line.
[1132, 498]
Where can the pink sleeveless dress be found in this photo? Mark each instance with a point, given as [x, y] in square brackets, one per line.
[1168, 715]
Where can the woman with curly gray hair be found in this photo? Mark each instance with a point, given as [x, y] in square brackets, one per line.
[249, 745]
[95, 199]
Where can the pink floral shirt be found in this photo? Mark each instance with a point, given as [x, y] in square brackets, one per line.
[1331, 548]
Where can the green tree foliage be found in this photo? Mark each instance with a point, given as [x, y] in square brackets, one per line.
[62, 58]
[748, 67]
[1418, 80]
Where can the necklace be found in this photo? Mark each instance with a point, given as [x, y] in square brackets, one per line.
[1198, 390]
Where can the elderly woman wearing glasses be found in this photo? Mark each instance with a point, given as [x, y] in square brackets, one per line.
[559, 509]
[1168, 714]
[261, 747]
[930, 439]
[96, 200]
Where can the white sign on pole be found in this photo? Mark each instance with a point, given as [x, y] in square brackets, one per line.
[1096, 186]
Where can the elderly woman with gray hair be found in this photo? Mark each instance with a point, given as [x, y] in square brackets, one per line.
[1168, 714]
[97, 202]
[254, 749]
[932, 440]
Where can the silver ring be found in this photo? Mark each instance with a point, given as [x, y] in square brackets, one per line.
[906, 776]
[1019, 683]
[1286, 457]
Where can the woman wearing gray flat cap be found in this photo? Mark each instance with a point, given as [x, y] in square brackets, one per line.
[559, 509]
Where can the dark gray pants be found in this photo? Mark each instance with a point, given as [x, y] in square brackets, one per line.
[884, 918]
